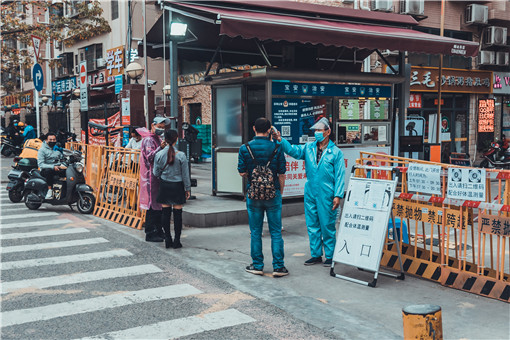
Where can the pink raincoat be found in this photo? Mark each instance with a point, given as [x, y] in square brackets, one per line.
[149, 184]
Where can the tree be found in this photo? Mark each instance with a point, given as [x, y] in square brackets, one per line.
[23, 18]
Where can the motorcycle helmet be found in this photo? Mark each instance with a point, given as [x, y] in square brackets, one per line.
[21, 124]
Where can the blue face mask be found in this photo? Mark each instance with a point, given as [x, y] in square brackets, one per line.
[319, 136]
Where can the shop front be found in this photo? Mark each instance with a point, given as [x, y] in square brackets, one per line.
[501, 91]
[461, 90]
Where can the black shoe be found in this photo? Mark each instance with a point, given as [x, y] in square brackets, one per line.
[327, 263]
[153, 238]
[251, 269]
[280, 272]
[313, 260]
[168, 243]
[177, 245]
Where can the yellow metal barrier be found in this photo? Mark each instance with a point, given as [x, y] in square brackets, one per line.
[459, 243]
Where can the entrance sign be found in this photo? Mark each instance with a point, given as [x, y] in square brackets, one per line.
[424, 178]
[36, 41]
[84, 95]
[38, 77]
[363, 225]
[466, 184]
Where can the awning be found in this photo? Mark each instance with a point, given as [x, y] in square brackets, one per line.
[276, 27]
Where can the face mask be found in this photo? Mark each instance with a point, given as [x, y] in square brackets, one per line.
[52, 144]
[319, 136]
[159, 132]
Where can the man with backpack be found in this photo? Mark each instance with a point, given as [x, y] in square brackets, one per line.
[262, 162]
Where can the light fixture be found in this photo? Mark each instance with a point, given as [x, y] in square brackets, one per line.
[178, 31]
[167, 90]
[134, 71]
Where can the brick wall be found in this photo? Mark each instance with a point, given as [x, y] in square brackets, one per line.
[196, 94]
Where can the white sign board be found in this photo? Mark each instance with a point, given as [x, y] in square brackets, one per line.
[36, 41]
[466, 184]
[352, 154]
[364, 222]
[424, 178]
[295, 177]
[83, 80]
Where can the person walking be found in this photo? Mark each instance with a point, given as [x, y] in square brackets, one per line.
[325, 172]
[149, 184]
[262, 162]
[171, 167]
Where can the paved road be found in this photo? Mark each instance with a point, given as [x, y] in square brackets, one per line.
[66, 276]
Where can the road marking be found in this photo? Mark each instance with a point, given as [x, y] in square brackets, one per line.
[63, 259]
[61, 280]
[21, 316]
[43, 233]
[35, 224]
[181, 327]
[29, 215]
[52, 245]
[10, 207]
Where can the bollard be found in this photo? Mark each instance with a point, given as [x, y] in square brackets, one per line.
[422, 322]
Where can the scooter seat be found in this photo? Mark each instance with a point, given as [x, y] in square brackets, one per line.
[37, 174]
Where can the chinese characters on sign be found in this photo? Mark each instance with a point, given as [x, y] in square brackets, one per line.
[424, 178]
[427, 214]
[295, 177]
[415, 101]
[466, 184]
[496, 225]
[486, 115]
[426, 79]
[114, 62]
[364, 223]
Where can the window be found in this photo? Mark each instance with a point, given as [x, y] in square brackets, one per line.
[115, 9]
[66, 64]
[90, 54]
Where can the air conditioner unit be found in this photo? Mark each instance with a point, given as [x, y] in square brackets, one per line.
[502, 58]
[477, 14]
[382, 5]
[347, 1]
[495, 36]
[413, 7]
[100, 63]
[486, 58]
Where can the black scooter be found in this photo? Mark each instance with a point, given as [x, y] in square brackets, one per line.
[10, 147]
[18, 176]
[67, 190]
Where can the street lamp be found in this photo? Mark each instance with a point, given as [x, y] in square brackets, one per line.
[134, 71]
[178, 31]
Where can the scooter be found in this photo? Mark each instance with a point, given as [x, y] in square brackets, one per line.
[68, 190]
[495, 158]
[18, 176]
[9, 147]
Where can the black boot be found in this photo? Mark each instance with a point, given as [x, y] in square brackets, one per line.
[150, 226]
[177, 228]
[157, 223]
[165, 222]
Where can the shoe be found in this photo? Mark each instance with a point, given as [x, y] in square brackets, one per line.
[313, 260]
[168, 243]
[327, 263]
[49, 195]
[177, 245]
[153, 238]
[251, 269]
[280, 272]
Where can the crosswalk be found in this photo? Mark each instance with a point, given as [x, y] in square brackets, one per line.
[43, 253]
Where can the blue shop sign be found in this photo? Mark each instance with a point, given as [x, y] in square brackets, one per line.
[63, 85]
[285, 88]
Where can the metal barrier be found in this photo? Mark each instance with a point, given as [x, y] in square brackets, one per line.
[459, 243]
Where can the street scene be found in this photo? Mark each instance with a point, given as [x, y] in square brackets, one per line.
[255, 170]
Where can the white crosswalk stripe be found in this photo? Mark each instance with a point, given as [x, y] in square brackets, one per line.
[49, 312]
[29, 215]
[9, 207]
[35, 224]
[53, 245]
[63, 259]
[181, 327]
[56, 232]
[61, 280]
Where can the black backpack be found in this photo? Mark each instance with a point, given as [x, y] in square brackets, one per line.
[262, 179]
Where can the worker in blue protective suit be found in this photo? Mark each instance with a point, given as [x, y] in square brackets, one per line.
[325, 172]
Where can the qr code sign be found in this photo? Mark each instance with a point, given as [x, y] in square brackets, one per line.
[286, 131]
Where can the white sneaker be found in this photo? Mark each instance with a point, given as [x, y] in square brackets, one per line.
[49, 194]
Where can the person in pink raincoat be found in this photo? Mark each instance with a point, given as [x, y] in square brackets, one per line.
[149, 184]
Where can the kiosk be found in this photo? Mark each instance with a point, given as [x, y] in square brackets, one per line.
[358, 106]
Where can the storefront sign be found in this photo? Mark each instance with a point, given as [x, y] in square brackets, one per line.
[27, 98]
[114, 62]
[63, 85]
[424, 178]
[426, 79]
[118, 84]
[415, 101]
[466, 184]
[99, 78]
[501, 83]
[495, 225]
[11, 100]
[330, 90]
[486, 115]
[356, 109]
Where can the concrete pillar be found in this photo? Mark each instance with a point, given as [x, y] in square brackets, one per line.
[75, 118]
[45, 127]
[22, 115]
[7, 118]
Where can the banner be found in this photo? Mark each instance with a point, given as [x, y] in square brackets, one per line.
[96, 137]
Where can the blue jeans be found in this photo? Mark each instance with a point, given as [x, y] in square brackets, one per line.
[273, 209]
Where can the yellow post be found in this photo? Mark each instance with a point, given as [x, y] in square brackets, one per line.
[422, 322]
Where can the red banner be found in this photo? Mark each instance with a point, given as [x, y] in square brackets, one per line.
[96, 137]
